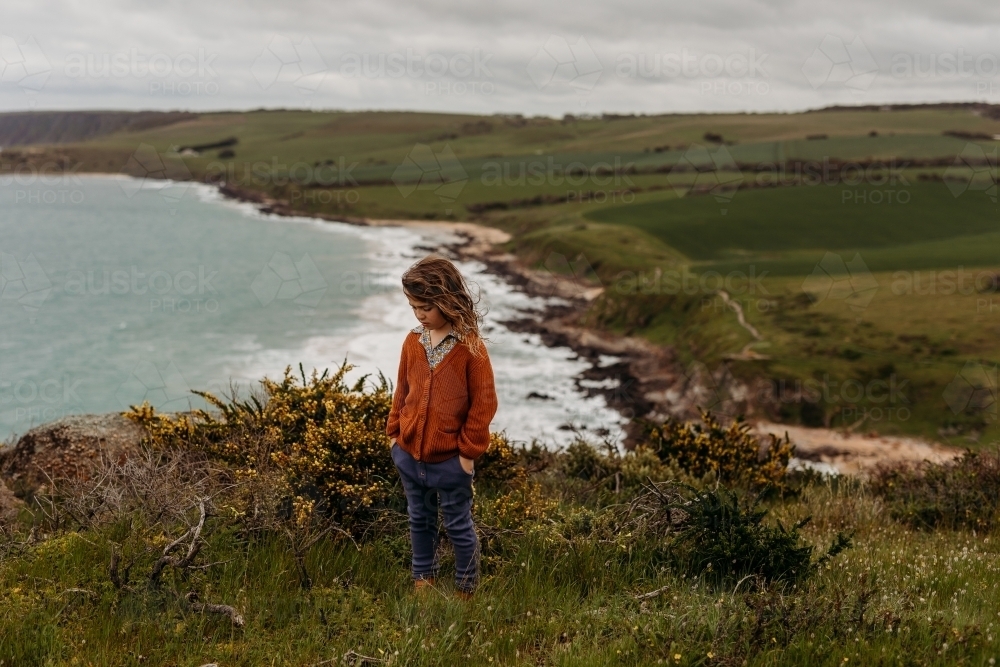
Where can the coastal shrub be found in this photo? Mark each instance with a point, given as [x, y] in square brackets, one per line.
[314, 442]
[583, 461]
[712, 534]
[536, 457]
[642, 464]
[961, 493]
[501, 462]
[306, 445]
[618, 472]
[523, 505]
[152, 486]
[732, 455]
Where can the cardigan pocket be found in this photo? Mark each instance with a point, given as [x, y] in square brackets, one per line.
[445, 440]
[407, 426]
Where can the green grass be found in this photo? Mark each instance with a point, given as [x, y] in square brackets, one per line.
[821, 218]
[379, 141]
[370, 134]
[552, 593]
[899, 147]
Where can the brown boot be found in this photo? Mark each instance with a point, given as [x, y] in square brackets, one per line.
[423, 585]
[463, 595]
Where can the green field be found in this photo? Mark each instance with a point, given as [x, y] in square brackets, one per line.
[623, 193]
[893, 226]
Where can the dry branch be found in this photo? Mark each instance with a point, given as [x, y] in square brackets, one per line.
[209, 608]
[352, 657]
[166, 559]
[652, 594]
[119, 578]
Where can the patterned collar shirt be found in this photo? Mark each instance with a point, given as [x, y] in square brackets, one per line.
[435, 353]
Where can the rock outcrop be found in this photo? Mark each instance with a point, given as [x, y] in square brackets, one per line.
[10, 504]
[69, 447]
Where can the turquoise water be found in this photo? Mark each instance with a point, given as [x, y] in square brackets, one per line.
[116, 291]
[141, 297]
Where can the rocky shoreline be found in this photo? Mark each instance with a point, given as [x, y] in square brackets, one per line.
[642, 381]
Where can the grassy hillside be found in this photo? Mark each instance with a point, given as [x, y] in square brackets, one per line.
[553, 593]
[859, 220]
[378, 141]
[60, 127]
[223, 540]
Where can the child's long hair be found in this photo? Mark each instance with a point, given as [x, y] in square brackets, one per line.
[437, 281]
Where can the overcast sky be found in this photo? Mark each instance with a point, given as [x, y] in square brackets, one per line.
[516, 56]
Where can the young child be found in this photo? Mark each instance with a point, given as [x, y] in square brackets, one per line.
[440, 418]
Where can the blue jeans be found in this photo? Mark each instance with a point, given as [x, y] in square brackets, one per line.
[425, 484]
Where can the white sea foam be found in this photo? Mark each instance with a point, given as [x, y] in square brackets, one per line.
[522, 364]
[110, 349]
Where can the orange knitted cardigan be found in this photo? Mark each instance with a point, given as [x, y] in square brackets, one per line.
[439, 413]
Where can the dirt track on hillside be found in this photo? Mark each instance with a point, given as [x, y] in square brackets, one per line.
[656, 385]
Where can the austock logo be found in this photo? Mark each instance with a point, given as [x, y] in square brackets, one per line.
[283, 279]
[23, 64]
[710, 391]
[23, 283]
[973, 389]
[558, 62]
[715, 173]
[35, 400]
[163, 388]
[287, 60]
[576, 278]
[423, 169]
[152, 170]
[835, 63]
[851, 282]
[973, 169]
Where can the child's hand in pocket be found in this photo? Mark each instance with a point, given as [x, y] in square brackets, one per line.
[468, 465]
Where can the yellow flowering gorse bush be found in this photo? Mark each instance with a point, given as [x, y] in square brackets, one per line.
[325, 439]
[307, 446]
[731, 454]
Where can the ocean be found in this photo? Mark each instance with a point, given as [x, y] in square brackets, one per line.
[116, 290]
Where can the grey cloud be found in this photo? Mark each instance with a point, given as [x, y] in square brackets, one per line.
[507, 37]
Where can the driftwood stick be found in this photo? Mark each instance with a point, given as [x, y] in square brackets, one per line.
[209, 608]
[352, 657]
[652, 594]
[195, 539]
[119, 577]
[749, 576]
[167, 559]
[208, 565]
[655, 489]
